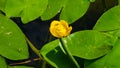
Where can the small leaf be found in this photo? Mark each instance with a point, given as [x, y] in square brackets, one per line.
[73, 10]
[2, 63]
[12, 42]
[53, 54]
[54, 7]
[109, 20]
[88, 44]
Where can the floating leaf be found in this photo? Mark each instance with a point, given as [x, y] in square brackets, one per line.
[28, 10]
[111, 60]
[54, 55]
[109, 20]
[88, 44]
[2, 4]
[12, 42]
[73, 10]
[2, 63]
[54, 7]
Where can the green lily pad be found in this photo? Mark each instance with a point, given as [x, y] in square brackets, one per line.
[109, 20]
[111, 60]
[2, 63]
[54, 7]
[12, 41]
[73, 10]
[88, 44]
[2, 4]
[53, 54]
[28, 10]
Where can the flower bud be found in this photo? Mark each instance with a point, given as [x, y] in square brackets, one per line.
[60, 28]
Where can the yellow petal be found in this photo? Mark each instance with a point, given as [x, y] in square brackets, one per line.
[60, 28]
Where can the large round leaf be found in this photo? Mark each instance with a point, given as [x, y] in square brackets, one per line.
[111, 60]
[74, 9]
[2, 63]
[110, 20]
[12, 42]
[28, 10]
[88, 44]
[53, 54]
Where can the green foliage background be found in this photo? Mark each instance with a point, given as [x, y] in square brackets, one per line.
[98, 47]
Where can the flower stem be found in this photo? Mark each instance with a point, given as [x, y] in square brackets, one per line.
[36, 51]
[44, 64]
[68, 52]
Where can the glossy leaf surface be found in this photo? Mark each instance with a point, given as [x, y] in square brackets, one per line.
[2, 4]
[73, 10]
[53, 54]
[2, 63]
[88, 44]
[111, 60]
[109, 20]
[54, 7]
[28, 10]
[12, 42]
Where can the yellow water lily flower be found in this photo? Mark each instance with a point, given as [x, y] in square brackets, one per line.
[60, 28]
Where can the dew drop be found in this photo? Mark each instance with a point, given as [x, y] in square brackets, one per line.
[19, 50]
[92, 0]
[9, 44]
[8, 33]
[2, 27]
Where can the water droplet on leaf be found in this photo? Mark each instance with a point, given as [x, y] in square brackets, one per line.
[92, 0]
